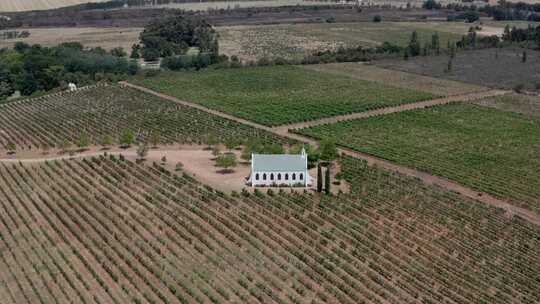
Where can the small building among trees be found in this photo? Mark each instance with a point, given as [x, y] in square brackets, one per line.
[289, 170]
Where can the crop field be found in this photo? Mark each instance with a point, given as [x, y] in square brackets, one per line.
[435, 86]
[104, 111]
[294, 41]
[214, 5]
[480, 147]
[500, 67]
[107, 230]
[279, 94]
[524, 104]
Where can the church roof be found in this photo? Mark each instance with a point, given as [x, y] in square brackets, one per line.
[279, 162]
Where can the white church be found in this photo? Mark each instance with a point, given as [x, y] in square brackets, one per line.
[280, 170]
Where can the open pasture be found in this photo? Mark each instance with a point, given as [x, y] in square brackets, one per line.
[103, 111]
[294, 41]
[483, 148]
[279, 94]
[496, 67]
[369, 72]
[112, 231]
[32, 5]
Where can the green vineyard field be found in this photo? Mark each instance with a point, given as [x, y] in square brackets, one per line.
[279, 94]
[484, 148]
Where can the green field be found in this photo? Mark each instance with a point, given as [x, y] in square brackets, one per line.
[487, 149]
[279, 94]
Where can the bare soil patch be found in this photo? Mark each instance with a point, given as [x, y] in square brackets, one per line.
[436, 86]
[498, 68]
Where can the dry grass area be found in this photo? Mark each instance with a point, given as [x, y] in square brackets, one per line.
[436, 86]
[30, 5]
[524, 104]
[107, 38]
[297, 40]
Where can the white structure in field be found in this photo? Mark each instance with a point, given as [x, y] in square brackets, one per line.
[280, 170]
[72, 87]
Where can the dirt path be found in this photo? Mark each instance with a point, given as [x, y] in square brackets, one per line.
[427, 178]
[410, 106]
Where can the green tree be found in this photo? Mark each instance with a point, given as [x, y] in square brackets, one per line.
[226, 161]
[11, 148]
[106, 141]
[126, 138]
[142, 151]
[82, 141]
[319, 179]
[327, 180]
[135, 51]
[65, 145]
[436, 44]
[5, 90]
[118, 52]
[414, 45]
[328, 150]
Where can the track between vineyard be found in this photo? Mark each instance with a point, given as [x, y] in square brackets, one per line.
[427, 178]
[388, 110]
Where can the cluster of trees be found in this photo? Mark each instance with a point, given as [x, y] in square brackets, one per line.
[529, 34]
[352, 54]
[32, 68]
[513, 11]
[175, 36]
[414, 48]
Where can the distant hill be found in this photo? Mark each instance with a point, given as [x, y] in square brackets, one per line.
[29, 5]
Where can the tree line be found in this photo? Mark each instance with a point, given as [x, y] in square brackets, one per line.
[33, 68]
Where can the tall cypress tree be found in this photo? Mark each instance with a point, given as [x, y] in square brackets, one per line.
[327, 180]
[319, 178]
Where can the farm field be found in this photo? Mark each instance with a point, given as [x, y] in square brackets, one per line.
[483, 148]
[500, 68]
[214, 5]
[105, 37]
[435, 86]
[524, 104]
[104, 111]
[279, 94]
[112, 231]
[294, 41]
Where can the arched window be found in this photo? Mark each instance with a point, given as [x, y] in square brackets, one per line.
[257, 176]
[287, 176]
[301, 176]
[279, 176]
[294, 176]
[264, 176]
[271, 176]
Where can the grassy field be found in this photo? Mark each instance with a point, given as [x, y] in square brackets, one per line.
[297, 40]
[106, 230]
[104, 111]
[279, 94]
[435, 86]
[524, 104]
[484, 148]
[500, 68]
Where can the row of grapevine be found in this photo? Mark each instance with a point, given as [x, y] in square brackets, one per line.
[106, 110]
[107, 230]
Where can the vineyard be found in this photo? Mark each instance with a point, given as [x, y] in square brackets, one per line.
[279, 94]
[107, 230]
[480, 147]
[104, 111]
